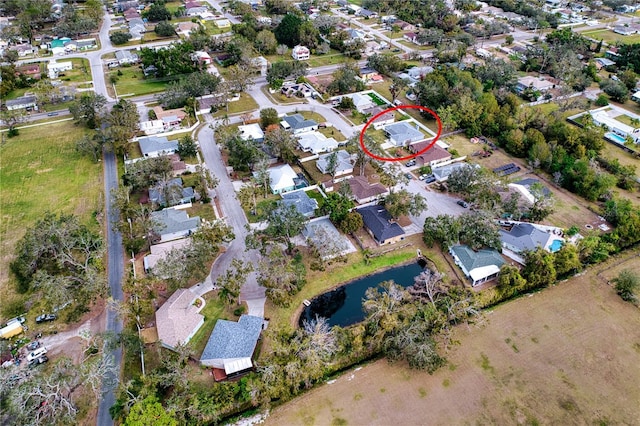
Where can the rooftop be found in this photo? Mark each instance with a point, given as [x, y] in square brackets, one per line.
[301, 201]
[233, 339]
[178, 318]
[170, 221]
[380, 222]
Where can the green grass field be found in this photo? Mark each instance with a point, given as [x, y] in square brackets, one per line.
[609, 36]
[132, 82]
[41, 173]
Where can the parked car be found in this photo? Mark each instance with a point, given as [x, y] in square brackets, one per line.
[411, 163]
[45, 318]
[36, 354]
[37, 361]
[21, 320]
[408, 176]
[430, 179]
[462, 203]
[33, 345]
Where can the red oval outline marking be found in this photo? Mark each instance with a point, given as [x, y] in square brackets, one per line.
[406, 157]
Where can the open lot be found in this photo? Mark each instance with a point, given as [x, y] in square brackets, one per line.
[39, 174]
[133, 83]
[542, 359]
[610, 37]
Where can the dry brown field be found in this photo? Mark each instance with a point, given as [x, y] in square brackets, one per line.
[566, 355]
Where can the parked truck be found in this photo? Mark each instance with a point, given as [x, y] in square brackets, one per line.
[11, 330]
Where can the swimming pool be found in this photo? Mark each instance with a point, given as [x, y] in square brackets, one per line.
[556, 245]
[615, 137]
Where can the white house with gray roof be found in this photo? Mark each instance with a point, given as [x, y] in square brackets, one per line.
[523, 237]
[304, 204]
[479, 266]
[316, 142]
[156, 146]
[173, 224]
[344, 163]
[231, 345]
[298, 124]
[403, 133]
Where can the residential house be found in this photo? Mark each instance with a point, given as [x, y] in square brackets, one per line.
[603, 62]
[195, 11]
[191, 4]
[365, 192]
[25, 50]
[251, 131]
[354, 34]
[316, 143]
[290, 89]
[301, 53]
[222, 23]
[152, 127]
[298, 124]
[367, 14]
[433, 156]
[282, 179]
[131, 13]
[389, 117]
[522, 237]
[201, 57]
[172, 224]
[479, 266]
[260, 63]
[56, 68]
[403, 133]
[155, 146]
[171, 118]
[178, 319]
[362, 102]
[231, 346]
[380, 225]
[605, 116]
[442, 173]
[23, 102]
[136, 28]
[185, 29]
[121, 6]
[171, 193]
[418, 73]
[404, 26]
[30, 71]
[177, 165]
[84, 44]
[413, 38]
[369, 75]
[624, 30]
[126, 57]
[524, 188]
[344, 163]
[206, 102]
[539, 84]
[318, 231]
[299, 199]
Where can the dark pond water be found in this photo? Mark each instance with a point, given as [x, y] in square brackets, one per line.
[343, 306]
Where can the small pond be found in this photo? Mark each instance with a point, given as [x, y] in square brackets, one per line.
[343, 306]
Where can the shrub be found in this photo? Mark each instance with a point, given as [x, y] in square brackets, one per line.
[120, 37]
[602, 101]
[239, 311]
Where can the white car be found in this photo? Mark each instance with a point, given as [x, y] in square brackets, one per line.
[37, 353]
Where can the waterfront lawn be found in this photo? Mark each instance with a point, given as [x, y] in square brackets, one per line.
[40, 173]
[338, 273]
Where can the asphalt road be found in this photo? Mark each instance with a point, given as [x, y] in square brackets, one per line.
[115, 272]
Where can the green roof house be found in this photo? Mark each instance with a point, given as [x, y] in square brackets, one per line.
[479, 266]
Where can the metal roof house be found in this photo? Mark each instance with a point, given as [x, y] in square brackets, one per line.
[403, 133]
[23, 102]
[178, 319]
[480, 266]
[231, 345]
[297, 124]
[174, 224]
[304, 204]
[381, 225]
[155, 146]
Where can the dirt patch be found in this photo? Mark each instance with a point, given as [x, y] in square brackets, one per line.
[560, 356]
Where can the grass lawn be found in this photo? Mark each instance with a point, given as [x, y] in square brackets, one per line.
[132, 82]
[151, 36]
[40, 173]
[331, 58]
[262, 206]
[542, 359]
[310, 115]
[213, 310]
[244, 104]
[80, 73]
[317, 177]
[205, 211]
[331, 132]
[279, 98]
[612, 38]
[625, 119]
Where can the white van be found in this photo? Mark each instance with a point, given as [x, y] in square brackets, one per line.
[37, 353]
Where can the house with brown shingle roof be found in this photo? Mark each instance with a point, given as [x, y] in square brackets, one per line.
[434, 155]
[178, 319]
[365, 192]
